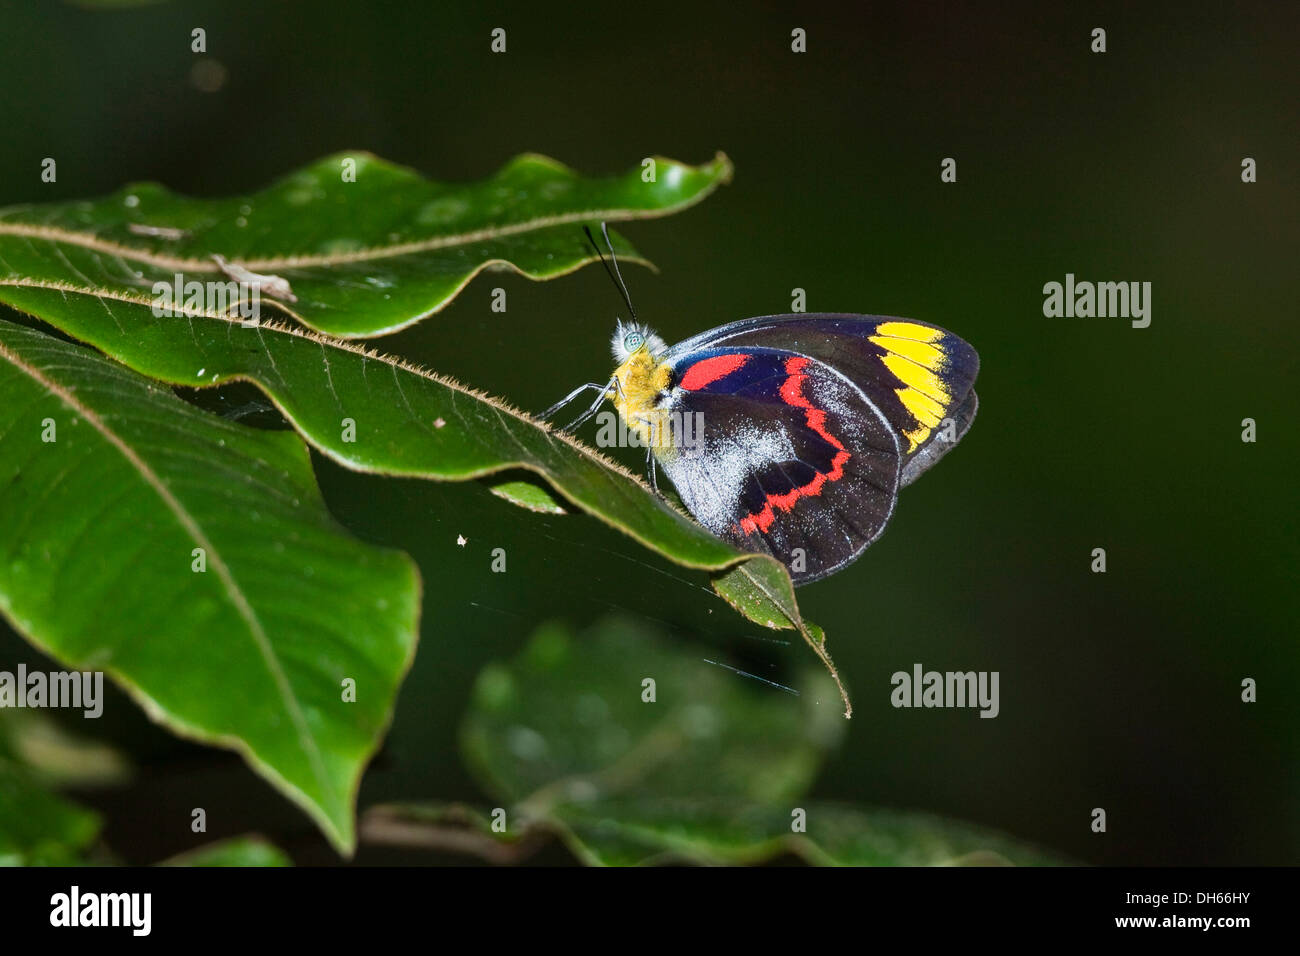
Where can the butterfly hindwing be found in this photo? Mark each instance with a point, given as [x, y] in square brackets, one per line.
[789, 455]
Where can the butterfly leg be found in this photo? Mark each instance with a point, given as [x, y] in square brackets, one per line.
[570, 397]
[595, 407]
[650, 469]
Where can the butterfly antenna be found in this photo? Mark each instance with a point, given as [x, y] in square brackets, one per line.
[614, 275]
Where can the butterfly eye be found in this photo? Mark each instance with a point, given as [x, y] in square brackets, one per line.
[633, 341]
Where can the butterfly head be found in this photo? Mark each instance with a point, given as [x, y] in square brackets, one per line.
[640, 380]
[631, 337]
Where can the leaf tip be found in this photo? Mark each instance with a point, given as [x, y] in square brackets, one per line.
[725, 168]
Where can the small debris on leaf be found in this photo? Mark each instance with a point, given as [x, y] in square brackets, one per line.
[277, 287]
[158, 232]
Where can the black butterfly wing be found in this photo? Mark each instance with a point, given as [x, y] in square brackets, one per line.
[919, 376]
[781, 453]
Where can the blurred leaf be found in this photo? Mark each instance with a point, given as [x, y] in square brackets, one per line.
[848, 836]
[58, 757]
[97, 537]
[640, 831]
[363, 257]
[563, 734]
[412, 423]
[239, 851]
[37, 827]
[565, 723]
[715, 770]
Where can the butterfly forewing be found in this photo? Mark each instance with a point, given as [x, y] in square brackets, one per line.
[919, 376]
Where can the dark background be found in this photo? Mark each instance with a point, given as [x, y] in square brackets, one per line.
[1118, 690]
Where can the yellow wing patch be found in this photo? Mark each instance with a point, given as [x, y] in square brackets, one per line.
[922, 353]
[918, 378]
[909, 330]
[917, 362]
[925, 410]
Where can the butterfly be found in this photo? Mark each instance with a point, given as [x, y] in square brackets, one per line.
[792, 435]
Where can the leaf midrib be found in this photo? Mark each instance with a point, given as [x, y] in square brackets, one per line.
[90, 240]
[193, 528]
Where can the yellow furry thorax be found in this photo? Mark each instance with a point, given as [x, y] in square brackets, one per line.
[639, 380]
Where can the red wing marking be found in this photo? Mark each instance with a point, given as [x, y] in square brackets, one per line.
[707, 371]
[792, 394]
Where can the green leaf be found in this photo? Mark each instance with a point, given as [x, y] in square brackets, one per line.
[567, 724]
[530, 495]
[37, 827]
[361, 258]
[840, 835]
[635, 831]
[715, 770]
[410, 422]
[239, 851]
[100, 532]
